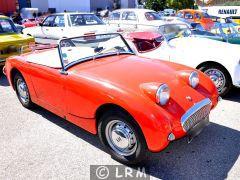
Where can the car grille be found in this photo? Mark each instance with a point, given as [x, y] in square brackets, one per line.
[195, 114]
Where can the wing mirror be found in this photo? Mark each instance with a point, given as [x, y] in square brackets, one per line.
[40, 24]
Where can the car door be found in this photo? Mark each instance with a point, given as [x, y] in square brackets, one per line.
[58, 28]
[49, 87]
[129, 21]
[46, 27]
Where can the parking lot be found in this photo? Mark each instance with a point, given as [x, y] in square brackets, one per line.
[39, 145]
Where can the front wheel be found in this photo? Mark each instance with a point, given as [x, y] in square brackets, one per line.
[122, 137]
[219, 76]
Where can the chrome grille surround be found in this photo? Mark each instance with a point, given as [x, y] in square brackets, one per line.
[195, 114]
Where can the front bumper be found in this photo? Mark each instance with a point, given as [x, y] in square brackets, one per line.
[197, 129]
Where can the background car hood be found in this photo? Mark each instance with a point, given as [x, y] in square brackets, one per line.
[16, 38]
[207, 48]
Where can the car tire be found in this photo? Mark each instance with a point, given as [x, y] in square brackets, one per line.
[113, 129]
[1, 70]
[22, 91]
[219, 76]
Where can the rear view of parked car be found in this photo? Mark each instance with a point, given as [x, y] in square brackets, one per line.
[11, 41]
[128, 20]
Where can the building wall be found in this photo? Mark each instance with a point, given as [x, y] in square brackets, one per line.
[70, 5]
[8, 6]
[42, 5]
[101, 4]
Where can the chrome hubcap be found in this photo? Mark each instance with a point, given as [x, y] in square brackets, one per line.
[121, 138]
[22, 90]
[217, 77]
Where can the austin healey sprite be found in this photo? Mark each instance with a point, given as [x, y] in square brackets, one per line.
[134, 104]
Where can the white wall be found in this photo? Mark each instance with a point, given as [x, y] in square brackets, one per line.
[70, 5]
[42, 5]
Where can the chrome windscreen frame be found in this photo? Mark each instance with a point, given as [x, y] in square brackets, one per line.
[195, 109]
[64, 68]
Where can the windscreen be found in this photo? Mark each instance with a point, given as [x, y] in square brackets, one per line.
[172, 31]
[85, 19]
[77, 50]
[6, 26]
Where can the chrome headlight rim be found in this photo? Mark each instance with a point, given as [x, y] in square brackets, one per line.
[163, 94]
[194, 79]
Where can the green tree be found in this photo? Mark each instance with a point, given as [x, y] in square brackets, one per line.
[180, 4]
[156, 5]
[233, 3]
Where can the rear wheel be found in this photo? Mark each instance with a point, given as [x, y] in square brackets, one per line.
[219, 76]
[22, 91]
[122, 137]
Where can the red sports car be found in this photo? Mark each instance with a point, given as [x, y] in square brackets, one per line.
[134, 104]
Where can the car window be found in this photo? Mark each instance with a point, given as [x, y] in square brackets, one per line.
[85, 19]
[180, 14]
[6, 26]
[59, 21]
[151, 16]
[114, 16]
[188, 15]
[130, 16]
[197, 16]
[49, 21]
[206, 15]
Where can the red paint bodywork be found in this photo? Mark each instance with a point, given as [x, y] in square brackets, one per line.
[30, 23]
[128, 81]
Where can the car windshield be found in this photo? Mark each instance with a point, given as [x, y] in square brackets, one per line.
[172, 31]
[85, 19]
[84, 48]
[151, 16]
[6, 26]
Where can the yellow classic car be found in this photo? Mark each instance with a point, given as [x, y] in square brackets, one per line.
[11, 42]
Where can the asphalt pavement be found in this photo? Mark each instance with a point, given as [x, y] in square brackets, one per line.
[36, 144]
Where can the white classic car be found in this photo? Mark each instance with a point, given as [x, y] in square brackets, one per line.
[65, 25]
[219, 60]
[129, 20]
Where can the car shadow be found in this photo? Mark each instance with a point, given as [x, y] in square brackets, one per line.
[211, 155]
[233, 95]
[3, 80]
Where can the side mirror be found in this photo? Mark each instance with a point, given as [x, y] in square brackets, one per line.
[40, 24]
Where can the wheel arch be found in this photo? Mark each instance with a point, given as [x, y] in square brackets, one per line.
[114, 107]
[101, 110]
[13, 72]
[214, 63]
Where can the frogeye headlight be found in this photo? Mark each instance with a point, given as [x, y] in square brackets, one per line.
[163, 94]
[194, 79]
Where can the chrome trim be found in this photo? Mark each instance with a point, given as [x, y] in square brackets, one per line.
[192, 75]
[194, 109]
[158, 94]
[171, 137]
